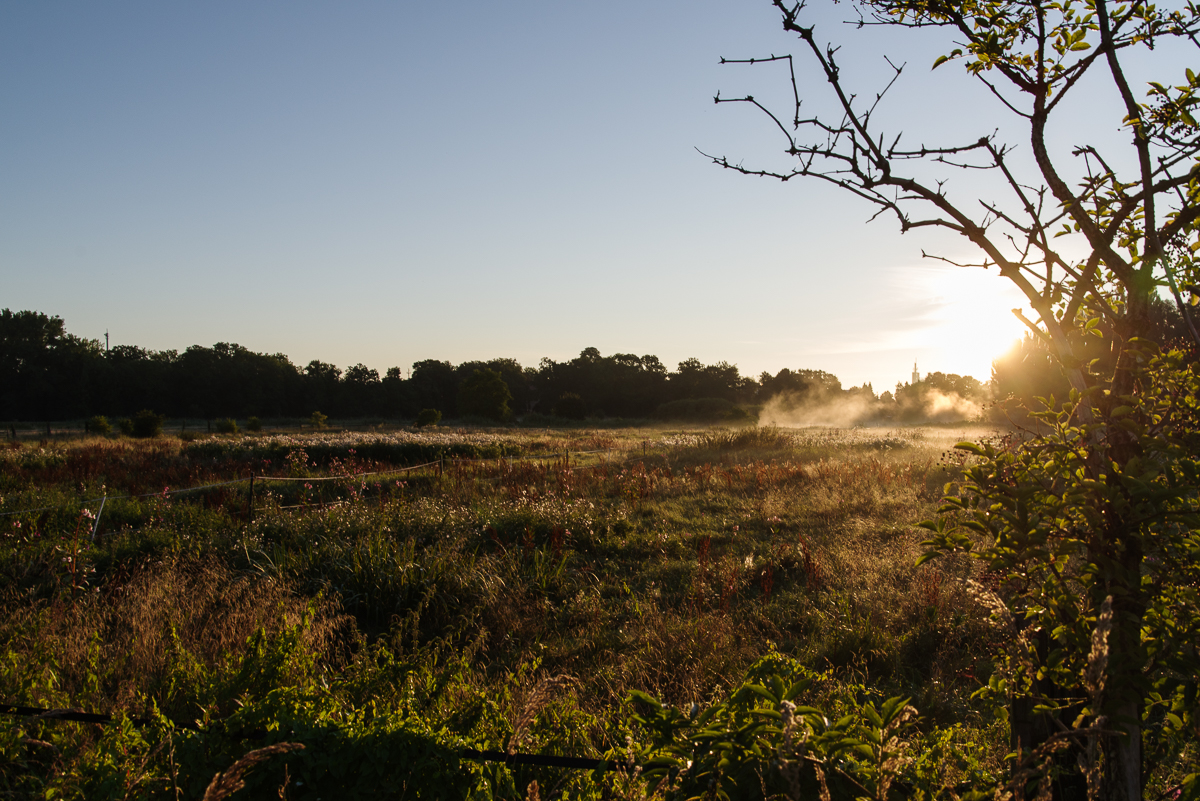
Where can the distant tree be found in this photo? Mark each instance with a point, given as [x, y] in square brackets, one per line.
[322, 385]
[434, 385]
[484, 394]
[570, 406]
[695, 380]
[361, 392]
[45, 373]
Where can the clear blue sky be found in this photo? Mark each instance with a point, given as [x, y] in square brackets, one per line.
[389, 182]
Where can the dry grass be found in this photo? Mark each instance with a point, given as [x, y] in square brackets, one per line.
[133, 631]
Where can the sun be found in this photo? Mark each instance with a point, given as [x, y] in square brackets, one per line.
[970, 320]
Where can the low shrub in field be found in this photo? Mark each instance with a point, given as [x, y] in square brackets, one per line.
[253, 424]
[318, 420]
[226, 425]
[97, 425]
[146, 424]
[428, 417]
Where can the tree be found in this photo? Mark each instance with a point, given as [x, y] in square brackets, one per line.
[485, 394]
[1094, 523]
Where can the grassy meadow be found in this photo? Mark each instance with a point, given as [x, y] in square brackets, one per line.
[508, 592]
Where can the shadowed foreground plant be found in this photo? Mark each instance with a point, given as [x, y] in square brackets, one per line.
[762, 743]
[228, 782]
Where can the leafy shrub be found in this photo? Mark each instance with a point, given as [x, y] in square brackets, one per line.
[125, 426]
[763, 742]
[318, 420]
[428, 417]
[147, 424]
[254, 424]
[97, 425]
[570, 406]
[227, 425]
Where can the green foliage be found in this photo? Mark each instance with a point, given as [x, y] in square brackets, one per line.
[254, 424]
[1092, 530]
[765, 742]
[484, 394]
[226, 425]
[97, 424]
[318, 420]
[428, 417]
[146, 424]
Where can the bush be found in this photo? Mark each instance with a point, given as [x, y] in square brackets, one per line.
[227, 426]
[97, 425]
[146, 424]
[125, 426]
[428, 417]
[570, 406]
[253, 424]
[318, 420]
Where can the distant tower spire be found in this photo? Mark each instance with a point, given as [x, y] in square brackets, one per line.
[916, 375]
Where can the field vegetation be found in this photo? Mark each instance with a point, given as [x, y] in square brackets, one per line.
[509, 594]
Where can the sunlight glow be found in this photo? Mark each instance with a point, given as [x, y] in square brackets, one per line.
[971, 320]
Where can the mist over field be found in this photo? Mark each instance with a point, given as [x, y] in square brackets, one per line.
[792, 410]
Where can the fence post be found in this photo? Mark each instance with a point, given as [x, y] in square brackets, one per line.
[250, 503]
[441, 465]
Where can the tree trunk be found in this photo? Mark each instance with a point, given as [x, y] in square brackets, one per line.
[1123, 758]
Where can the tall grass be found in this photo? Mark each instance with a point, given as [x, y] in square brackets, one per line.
[668, 563]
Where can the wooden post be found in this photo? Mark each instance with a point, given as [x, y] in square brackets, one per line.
[250, 503]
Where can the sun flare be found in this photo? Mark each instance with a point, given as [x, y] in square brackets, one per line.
[970, 321]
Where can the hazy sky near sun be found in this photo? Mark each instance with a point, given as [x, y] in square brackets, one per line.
[389, 182]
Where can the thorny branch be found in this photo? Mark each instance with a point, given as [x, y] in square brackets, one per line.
[1029, 60]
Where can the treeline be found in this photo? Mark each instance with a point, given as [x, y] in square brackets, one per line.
[47, 373]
